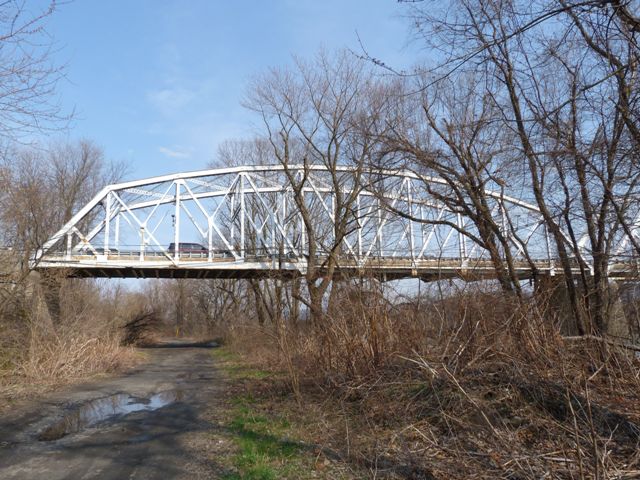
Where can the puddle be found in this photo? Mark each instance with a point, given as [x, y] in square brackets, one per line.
[103, 408]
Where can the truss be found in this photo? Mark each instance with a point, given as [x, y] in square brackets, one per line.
[244, 221]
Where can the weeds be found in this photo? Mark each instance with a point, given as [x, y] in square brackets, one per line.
[466, 386]
[263, 453]
[37, 355]
[265, 441]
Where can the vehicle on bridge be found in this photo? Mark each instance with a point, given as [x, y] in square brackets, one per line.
[251, 225]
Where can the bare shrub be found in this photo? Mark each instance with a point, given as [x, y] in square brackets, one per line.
[49, 358]
[69, 356]
[140, 328]
[457, 383]
[87, 340]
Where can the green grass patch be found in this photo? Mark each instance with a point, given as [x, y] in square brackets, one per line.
[264, 448]
[265, 439]
[264, 451]
[240, 372]
[224, 354]
[236, 369]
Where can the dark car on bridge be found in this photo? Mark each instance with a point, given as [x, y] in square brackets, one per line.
[188, 248]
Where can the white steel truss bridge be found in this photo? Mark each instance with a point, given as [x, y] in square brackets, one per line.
[244, 222]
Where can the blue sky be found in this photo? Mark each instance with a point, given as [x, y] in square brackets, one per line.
[159, 83]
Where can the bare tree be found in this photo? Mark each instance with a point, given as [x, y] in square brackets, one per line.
[233, 153]
[266, 293]
[319, 113]
[561, 79]
[40, 190]
[449, 131]
[28, 78]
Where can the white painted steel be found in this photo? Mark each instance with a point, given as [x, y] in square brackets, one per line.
[244, 215]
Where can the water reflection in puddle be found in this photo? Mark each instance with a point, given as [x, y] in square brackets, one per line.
[104, 408]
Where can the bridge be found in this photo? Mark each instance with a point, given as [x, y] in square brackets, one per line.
[244, 222]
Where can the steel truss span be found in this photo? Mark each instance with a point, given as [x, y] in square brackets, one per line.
[244, 222]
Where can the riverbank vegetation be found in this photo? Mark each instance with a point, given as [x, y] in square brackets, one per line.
[468, 387]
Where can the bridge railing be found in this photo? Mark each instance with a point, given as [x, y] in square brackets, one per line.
[245, 214]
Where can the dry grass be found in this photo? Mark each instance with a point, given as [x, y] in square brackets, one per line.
[50, 362]
[35, 356]
[469, 386]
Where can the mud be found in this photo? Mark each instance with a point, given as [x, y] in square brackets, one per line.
[139, 425]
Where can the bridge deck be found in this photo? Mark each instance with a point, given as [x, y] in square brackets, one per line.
[159, 265]
[397, 228]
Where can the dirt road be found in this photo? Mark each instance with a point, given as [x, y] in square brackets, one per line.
[149, 423]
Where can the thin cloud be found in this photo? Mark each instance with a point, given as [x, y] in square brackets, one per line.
[170, 100]
[173, 153]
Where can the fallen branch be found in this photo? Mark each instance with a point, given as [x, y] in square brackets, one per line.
[628, 346]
